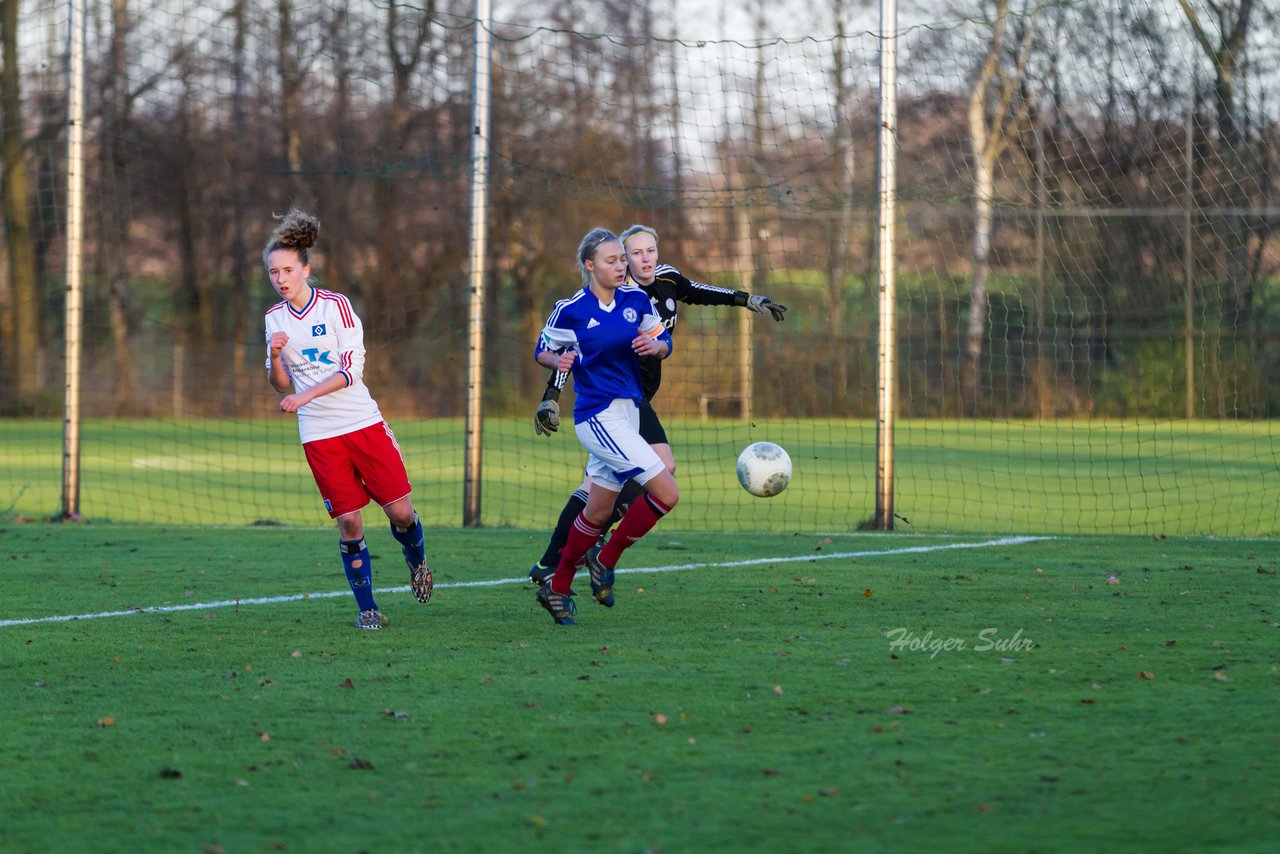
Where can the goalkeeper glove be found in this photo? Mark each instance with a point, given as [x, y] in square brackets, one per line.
[764, 305]
[547, 419]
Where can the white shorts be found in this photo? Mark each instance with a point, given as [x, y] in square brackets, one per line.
[617, 450]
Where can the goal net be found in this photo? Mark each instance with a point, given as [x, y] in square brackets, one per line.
[1086, 267]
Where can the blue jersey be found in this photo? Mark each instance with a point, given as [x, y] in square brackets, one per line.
[606, 367]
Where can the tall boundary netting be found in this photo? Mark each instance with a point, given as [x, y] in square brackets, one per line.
[1087, 321]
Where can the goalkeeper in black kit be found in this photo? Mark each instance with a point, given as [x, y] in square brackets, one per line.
[666, 288]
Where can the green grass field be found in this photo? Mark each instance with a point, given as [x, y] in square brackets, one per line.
[1078, 477]
[767, 692]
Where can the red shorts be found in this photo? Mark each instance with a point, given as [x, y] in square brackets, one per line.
[352, 468]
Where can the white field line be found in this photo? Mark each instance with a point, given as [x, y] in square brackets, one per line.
[298, 597]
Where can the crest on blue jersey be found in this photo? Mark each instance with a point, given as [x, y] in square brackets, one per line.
[317, 330]
[629, 315]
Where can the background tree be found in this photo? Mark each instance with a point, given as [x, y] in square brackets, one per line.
[23, 344]
[115, 213]
[237, 154]
[291, 74]
[996, 114]
[407, 46]
[840, 224]
[615, 112]
[1225, 47]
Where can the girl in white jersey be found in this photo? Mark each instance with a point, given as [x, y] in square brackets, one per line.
[315, 346]
[600, 334]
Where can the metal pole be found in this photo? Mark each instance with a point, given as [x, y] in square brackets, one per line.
[75, 243]
[1044, 407]
[747, 282]
[481, 91]
[886, 392]
[1188, 260]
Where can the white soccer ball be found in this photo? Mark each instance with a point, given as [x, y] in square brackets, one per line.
[764, 469]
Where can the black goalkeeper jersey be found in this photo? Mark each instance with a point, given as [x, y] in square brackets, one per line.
[668, 289]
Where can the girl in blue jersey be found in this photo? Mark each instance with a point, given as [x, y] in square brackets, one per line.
[600, 334]
[667, 289]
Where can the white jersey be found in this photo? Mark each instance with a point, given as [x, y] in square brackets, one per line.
[325, 338]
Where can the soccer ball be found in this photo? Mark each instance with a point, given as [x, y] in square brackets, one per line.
[764, 469]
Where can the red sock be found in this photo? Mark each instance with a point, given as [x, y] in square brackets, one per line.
[582, 536]
[640, 519]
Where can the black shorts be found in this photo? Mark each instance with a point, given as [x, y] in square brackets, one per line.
[650, 427]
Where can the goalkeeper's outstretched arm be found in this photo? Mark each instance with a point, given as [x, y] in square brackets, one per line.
[700, 293]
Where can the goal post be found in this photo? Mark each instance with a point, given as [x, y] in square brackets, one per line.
[74, 300]
[886, 397]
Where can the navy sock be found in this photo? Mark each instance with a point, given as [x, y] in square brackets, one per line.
[572, 508]
[355, 560]
[412, 542]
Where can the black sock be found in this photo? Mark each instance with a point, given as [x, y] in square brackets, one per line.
[630, 492]
[572, 508]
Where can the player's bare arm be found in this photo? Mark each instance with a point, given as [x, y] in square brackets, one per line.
[279, 373]
[294, 402]
[561, 362]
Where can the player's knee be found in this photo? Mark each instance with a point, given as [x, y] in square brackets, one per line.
[400, 513]
[667, 494]
[597, 518]
[402, 520]
[351, 526]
